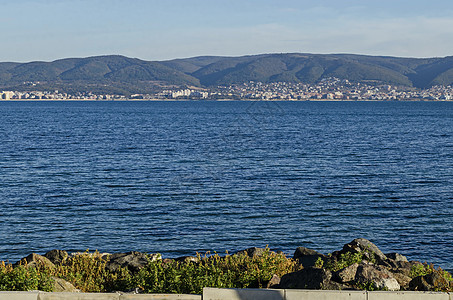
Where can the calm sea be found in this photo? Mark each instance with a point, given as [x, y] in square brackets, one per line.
[181, 177]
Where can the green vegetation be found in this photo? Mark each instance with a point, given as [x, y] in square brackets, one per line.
[22, 278]
[344, 260]
[446, 275]
[421, 270]
[239, 271]
[88, 273]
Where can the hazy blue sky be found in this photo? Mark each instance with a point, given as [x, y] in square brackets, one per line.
[165, 29]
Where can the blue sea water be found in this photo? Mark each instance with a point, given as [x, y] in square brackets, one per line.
[181, 177]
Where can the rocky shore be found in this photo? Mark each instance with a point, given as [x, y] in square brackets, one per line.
[362, 265]
[359, 265]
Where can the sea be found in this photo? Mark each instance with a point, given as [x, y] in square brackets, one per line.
[182, 177]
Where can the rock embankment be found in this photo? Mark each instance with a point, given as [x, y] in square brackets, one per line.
[359, 265]
[362, 265]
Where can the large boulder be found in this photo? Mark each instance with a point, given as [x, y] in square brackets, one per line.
[310, 278]
[366, 247]
[396, 261]
[57, 257]
[396, 257]
[134, 261]
[307, 257]
[63, 286]
[403, 280]
[379, 277]
[431, 282]
[347, 274]
[400, 266]
[35, 260]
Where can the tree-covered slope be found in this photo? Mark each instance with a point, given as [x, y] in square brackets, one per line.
[105, 70]
[119, 73]
[309, 68]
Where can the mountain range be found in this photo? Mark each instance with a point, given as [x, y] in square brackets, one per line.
[124, 75]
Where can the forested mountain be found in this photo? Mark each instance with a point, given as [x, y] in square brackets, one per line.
[119, 74]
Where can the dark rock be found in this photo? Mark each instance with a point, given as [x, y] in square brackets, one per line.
[396, 257]
[134, 261]
[431, 282]
[403, 280]
[396, 265]
[310, 278]
[274, 282]
[380, 277]
[347, 274]
[396, 261]
[402, 267]
[307, 257]
[251, 252]
[34, 260]
[404, 264]
[57, 256]
[302, 251]
[419, 283]
[61, 285]
[335, 254]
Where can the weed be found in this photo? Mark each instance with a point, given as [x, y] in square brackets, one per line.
[345, 260]
[421, 270]
[319, 263]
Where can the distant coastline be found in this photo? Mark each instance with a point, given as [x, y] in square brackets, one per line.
[266, 76]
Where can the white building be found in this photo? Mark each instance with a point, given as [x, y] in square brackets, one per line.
[6, 95]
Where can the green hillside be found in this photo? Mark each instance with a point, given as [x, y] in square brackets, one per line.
[106, 73]
[119, 74]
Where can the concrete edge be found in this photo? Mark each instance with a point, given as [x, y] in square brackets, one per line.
[233, 294]
[38, 295]
[299, 294]
[409, 295]
[5, 295]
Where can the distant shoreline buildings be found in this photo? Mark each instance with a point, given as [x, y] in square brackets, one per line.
[326, 89]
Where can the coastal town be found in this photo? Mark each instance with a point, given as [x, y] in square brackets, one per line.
[329, 89]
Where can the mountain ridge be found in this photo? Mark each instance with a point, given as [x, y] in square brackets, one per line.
[121, 74]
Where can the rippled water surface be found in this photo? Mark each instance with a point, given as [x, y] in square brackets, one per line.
[180, 177]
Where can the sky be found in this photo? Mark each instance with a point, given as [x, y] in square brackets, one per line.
[47, 30]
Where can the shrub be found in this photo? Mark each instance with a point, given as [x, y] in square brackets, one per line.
[86, 271]
[238, 271]
[421, 270]
[21, 278]
[345, 260]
